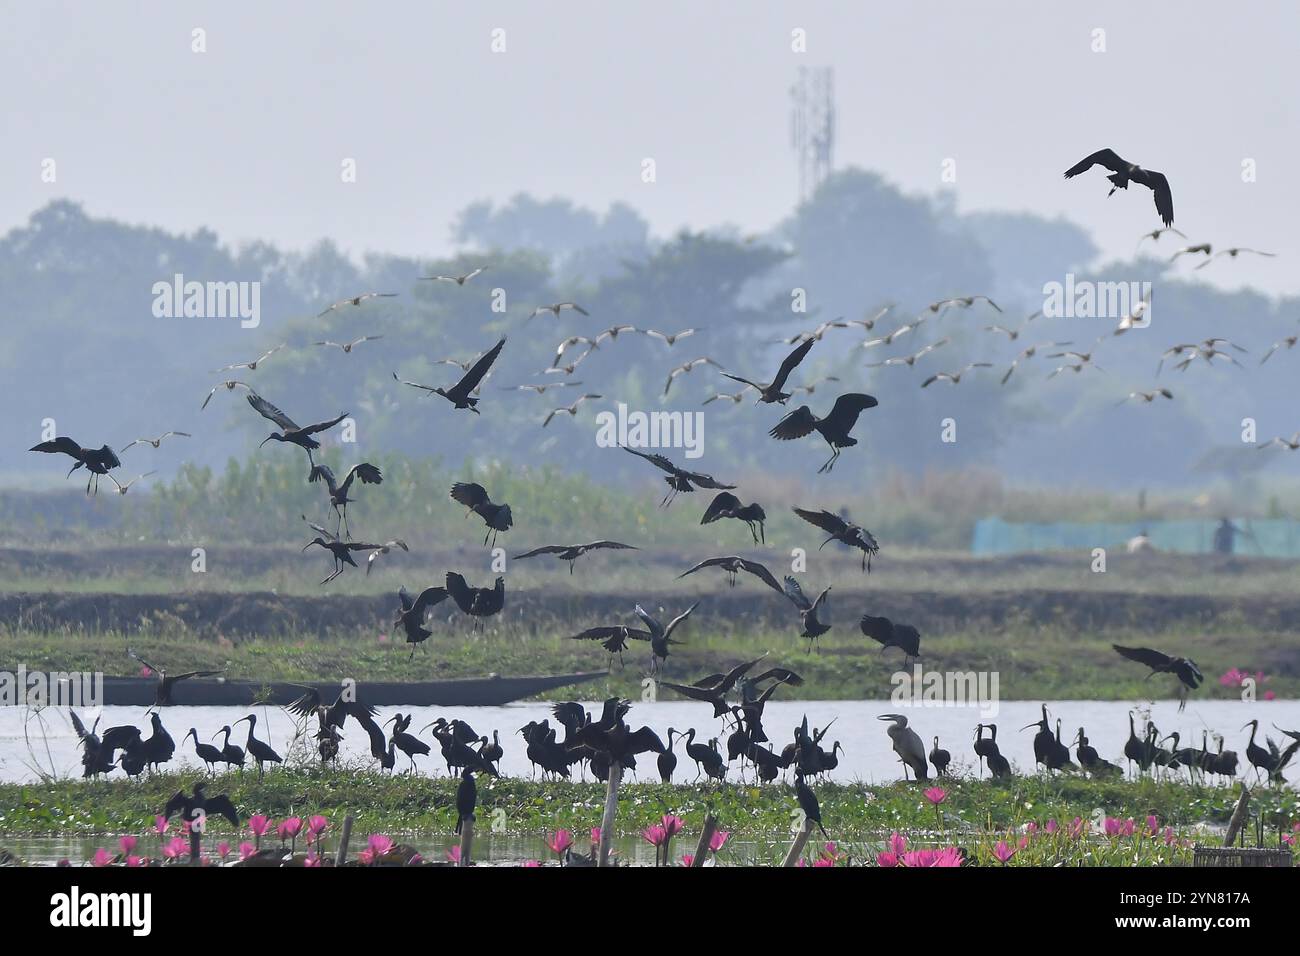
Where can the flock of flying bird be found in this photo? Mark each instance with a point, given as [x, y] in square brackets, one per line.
[596, 742]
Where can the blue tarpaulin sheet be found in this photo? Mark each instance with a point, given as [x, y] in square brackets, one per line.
[1274, 537]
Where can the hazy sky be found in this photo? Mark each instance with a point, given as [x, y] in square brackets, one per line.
[248, 137]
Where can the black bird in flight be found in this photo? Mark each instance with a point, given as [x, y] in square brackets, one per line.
[1124, 172]
[369, 475]
[461, 394]
[412, 613]
[342, 550]
[476, 602]
[727, 505]
[97, 461]
[679, 480]
[888, 634]
[843, 531]
[733, 565]
[163, 696]
[475, 497]
[811, 626]
[835, 427]
[572, 552]
[1184, 668]
[771, 392]
[660, 636]
[291, 432]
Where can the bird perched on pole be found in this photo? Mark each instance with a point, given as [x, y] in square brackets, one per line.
[97, 461]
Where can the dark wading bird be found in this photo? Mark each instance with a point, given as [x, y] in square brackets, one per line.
[342, 550]
[809, 625]
[335, 715]
[195, 808]
[231, 754]
[660, 637]
[1124, 172]
[733, 565]
[572, 552]
[666, 762]
[843, 531]
[888, 634]
[771, 392]
[466, 798]
[1273, 760]
[409, 744]
[835, 427]
[908, 746]
[679, 480]
[291, 432]
[411, 614]
[727, 505]
[476, 602]
[339, 500]
[259, 751]
[613, 637]
[808, 803]
[97, 461]
[163, 695]
[475, 498]
[1188, 674]
[461, 394]
[1092, 762]
[939, 759]
[714, 688]
[209, 754]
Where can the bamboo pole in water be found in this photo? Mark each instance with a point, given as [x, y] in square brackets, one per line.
[702, 848]
[466, 840]
[342, 856]
[1238, 816]
[611, 807]
[796, 848]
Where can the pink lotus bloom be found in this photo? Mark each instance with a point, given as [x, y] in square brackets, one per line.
[823, 861]
[453, 855]
[559, 841]
[887, 859]
[672, 825]
[258, 824]
[379, 845]
[316, 826]
[948, 856]
[1031, 828]
[102, 858]
[688, 859]
[146, 672]
[1051, 826]
[128, 844]
[1003, 852]
[1287, 838]
[415, 860]
[654, 835]
[246, 850]
[595, 834]
[1129, 827]
[897, 844]
[1112, 827]
[160, 825]
[175, 848]
[366, 857]
[531, 863]
[223, 849]
[134, 861]
[1153, 824]
[311, 860]
[718, 840]
[1269, 695]
[186, 827]
[1022, 842]
[289, 829]
[1169, 836]
[936, 795]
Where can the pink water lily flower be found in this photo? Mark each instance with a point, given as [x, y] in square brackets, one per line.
[654, 835]
[559, 841]
[223, 849]
[595, 835]
[174, 848]
[1002, 852]
[688, 859]
[128, 844]
[453, 855]
[887, 859]
[246, 850]
[316, 826]
[379, 845]
[289, 829]
[102, 858]
[672, 825]
[897, 844]
[948, 856]
[1169, 836]
[1112, 826]
[1051, 826]
[160, 825]
[311, 860]
[718, 840]
[134, 861]
[936, 795]
[531, 863]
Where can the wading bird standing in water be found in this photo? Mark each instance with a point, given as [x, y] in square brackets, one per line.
[1123, 173]
[97, 461]
[462, 393]
[835, 427]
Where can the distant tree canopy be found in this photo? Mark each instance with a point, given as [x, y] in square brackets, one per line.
[84, 348]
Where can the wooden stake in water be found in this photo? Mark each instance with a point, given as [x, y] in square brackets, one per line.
[796, 848]
[611, 807]
[706, 835]
[1238, 816]
[466, 840]
[342, 856]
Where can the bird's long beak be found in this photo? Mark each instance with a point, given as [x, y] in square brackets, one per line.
[265, 440]
[240, 721]
[1027, 726]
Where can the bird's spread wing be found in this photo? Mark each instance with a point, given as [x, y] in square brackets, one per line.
[791, 360]
[1144, 655]
[828, 522]
[428, 598]
[1106, 157]
[844, 414]
[725, 501]
[544, 549]
[659, 461]
[797, 424]
[469, 494]
[672, 625]
[323, 426]
[479, 369]
[795, 594]
[763, 574]
[269, 411]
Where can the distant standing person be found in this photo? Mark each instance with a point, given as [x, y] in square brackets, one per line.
[1224, 537]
